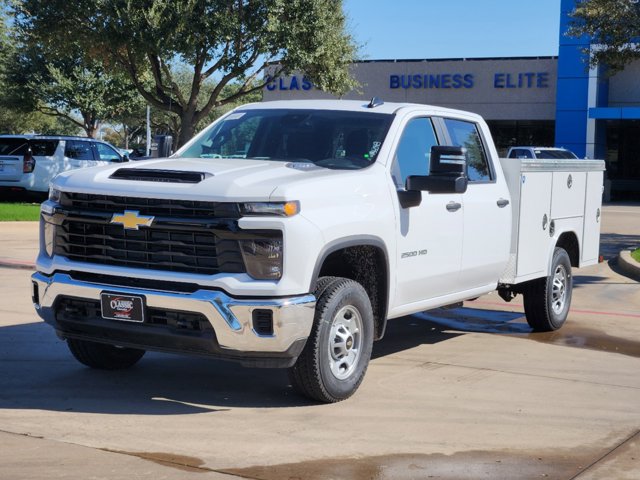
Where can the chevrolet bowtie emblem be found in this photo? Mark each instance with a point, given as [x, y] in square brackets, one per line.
[131, 219]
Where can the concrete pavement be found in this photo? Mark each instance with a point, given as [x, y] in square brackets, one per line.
[19, 244]
[464, 393]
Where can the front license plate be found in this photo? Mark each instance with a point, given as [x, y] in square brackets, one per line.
[122, 307]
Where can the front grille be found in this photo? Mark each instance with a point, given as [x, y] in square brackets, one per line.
[174, 248]
[80, 310]
[150, 206]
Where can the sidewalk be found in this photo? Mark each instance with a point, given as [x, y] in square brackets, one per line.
[18, 244]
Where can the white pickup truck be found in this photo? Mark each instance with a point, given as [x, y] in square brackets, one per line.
[286, 234]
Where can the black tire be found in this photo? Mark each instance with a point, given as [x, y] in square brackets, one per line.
[322, 372]
[103, 356]
[547, 300]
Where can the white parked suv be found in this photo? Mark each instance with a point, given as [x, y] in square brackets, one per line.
[286, 234]
[29, 162]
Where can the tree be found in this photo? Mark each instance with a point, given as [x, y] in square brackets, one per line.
[613, 25]
[16, 117]
[64, 83]
[227, 41]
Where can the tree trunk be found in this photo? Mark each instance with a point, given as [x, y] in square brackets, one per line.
[187, 129]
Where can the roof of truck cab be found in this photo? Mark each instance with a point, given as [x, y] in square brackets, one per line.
[349, 106]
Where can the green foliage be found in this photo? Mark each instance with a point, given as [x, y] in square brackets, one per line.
[59, 80]
[636, 255]
[612, 24]
[214, 44]
[18, 116]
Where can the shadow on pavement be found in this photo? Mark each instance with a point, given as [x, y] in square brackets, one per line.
[612, 243]
[38, 372]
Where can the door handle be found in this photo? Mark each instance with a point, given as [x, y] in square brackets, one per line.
[453, 206]
[502, 202]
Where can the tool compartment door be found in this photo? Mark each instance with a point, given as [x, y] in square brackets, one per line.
[534, 218]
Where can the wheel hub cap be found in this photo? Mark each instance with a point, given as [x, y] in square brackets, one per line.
[559, 289]
[345, 339]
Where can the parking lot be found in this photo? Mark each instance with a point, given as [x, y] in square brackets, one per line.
[449, 394]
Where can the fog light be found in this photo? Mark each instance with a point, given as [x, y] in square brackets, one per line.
[263, 258]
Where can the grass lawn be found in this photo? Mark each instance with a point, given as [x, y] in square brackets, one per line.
[636, 255]
[19, 211]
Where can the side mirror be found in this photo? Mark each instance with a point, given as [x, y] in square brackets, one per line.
[438, 183]
[447, 172]
[125, 158]
[448, 160]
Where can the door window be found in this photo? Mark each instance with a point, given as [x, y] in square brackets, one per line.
[106, 153]
[465, 134]
[414, 150]
[78, 150]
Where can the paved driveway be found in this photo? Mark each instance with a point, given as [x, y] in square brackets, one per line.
[464, 393]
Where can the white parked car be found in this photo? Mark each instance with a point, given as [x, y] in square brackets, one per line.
[287, 233]
[547, 153]
[29, 162]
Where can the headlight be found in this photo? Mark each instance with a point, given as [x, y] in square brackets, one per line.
[281, 209]
[54, 195]
[263, 258]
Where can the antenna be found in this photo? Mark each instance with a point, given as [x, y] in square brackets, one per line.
[375, 102]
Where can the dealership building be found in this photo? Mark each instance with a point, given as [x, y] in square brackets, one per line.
[541, 101]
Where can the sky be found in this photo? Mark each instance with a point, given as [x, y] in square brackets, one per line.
[420, 29]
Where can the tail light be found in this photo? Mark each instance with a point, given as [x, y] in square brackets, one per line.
[29, 163]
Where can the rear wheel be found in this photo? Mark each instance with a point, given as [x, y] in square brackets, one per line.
[547, 300]
[335, 358]
[103, 356]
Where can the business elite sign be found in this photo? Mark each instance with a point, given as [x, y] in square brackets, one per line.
[468, 80]
[521, 80]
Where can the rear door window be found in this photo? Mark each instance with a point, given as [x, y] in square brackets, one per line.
[43, 148]
[78, 150]
[465, 134]
[13, 146]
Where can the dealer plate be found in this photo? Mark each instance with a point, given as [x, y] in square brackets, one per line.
[126, 308]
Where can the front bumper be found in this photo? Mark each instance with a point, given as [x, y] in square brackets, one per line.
[229, 325]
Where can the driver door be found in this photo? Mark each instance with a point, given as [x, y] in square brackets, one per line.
[429, 247]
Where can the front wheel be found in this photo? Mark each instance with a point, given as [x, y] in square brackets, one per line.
[335, 358]
[547, 300]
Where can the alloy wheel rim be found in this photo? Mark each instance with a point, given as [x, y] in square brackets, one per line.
[345, 342]
[559, 289]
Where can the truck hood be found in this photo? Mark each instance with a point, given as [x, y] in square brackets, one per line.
[225, 179]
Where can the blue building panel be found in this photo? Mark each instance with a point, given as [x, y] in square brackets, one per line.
[572, 61]
[572, 93]
[605, 113]
[573, 87]
[630, 113]
[571, 127]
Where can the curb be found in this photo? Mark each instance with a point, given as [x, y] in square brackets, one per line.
[9, 263]
[628, 265]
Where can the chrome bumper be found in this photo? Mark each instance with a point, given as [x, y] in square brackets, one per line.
[230, 318]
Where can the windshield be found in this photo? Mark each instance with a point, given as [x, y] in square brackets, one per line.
[561, 154]
[331, 139]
